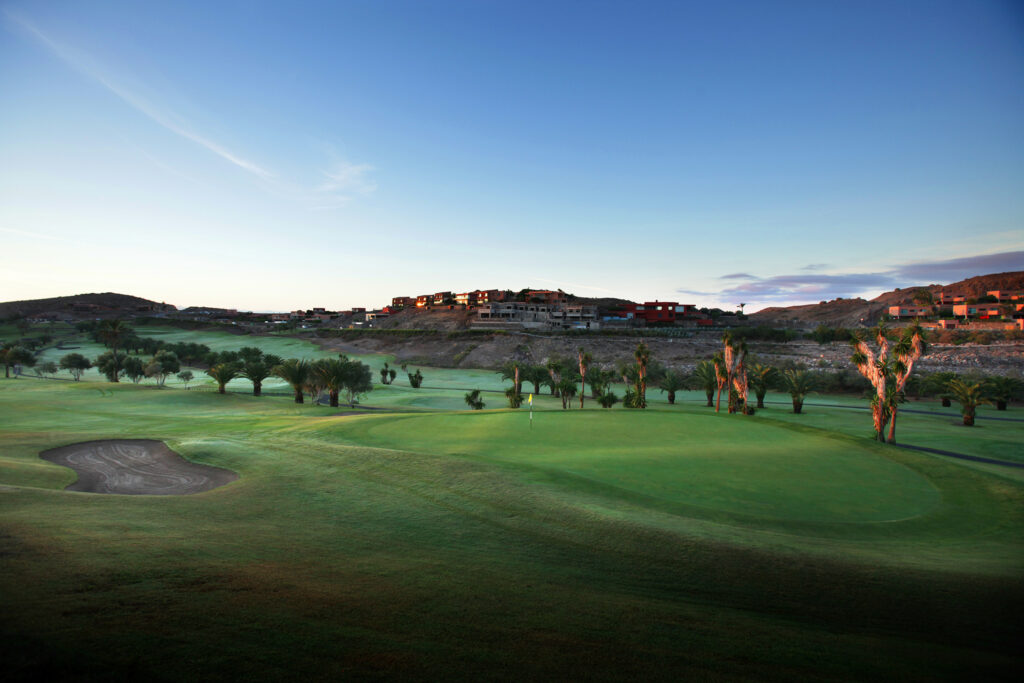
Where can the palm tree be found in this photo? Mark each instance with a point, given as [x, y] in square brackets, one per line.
[906, 351]
[883, 369]
[567, 391]
[585, 360]
[1002, 390]
[555, 367]
[332, 375]
[970, 396]
[222, 373]
[294, 372]
[112, 333]
[705, 378]
[256, 371]
[721, 377]
[797, 383]
[761, 378]
[515, 399]
[536, 374]
[473, 400]
[643, 357]
[671, 382]
[608, 399]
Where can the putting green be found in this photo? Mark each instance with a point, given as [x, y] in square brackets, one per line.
[685, 462]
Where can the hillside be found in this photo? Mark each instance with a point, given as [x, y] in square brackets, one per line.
[79, 305]
[852, 312]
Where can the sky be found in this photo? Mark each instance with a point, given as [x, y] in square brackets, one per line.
[272, 156]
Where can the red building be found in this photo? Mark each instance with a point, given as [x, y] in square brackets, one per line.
[546, 296]
[400, 302]
[466, 299]
[652, 312]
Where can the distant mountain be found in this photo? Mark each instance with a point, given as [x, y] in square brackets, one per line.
[852, 312]
[107, 304]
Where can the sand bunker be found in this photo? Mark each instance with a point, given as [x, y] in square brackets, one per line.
[135, 467]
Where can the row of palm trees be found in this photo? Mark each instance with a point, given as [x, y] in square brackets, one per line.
[330, 375]
[568, 379]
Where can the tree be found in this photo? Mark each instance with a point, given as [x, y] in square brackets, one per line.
[731, 372]
[385, 374]
[705, 378]
[585, 360]
[76, 364]
[113, 333]
[608, 399]
[133, 368]
[882, 368]
[1002, 390]
[359, 381]
[333, 374]
[535, 374]
[599, 381]
[47, 368]
[294, 372]
[721, 378]
[671, 382]
[109, 364]
[906, 351]
[761, 378]
[164, 364]
[642, 355]
[923, 297]
[415, 379]
[474, 401]
[797, 383]
[256, 370]
[556, 367]
[515, 399]
[222, 373]
[186, 377]
[250, 354]
[567, 391]
[12, 355]
[969, 396]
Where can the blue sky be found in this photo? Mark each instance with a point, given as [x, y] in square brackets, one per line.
[267, 155]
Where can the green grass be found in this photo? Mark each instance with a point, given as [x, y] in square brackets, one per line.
[426, 541]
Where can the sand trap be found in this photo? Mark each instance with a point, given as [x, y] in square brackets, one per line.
[134, 467]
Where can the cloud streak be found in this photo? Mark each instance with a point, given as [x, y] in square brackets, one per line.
[340, 182]
[809, 287]
[86, 66]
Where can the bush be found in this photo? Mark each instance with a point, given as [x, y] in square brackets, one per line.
[415, 379]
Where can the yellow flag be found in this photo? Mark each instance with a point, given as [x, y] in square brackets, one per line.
[531, 399]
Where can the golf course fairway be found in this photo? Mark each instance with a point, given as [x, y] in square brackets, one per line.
[661, 544]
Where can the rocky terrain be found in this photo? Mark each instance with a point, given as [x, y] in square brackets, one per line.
[491, 351]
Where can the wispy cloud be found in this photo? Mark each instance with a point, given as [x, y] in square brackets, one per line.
[346, 179]
[810, 287]
[26, 233]
[339, 183]
[88, 67]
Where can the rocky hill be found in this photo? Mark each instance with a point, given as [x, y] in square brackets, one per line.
[83, 305]
[853, 312]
